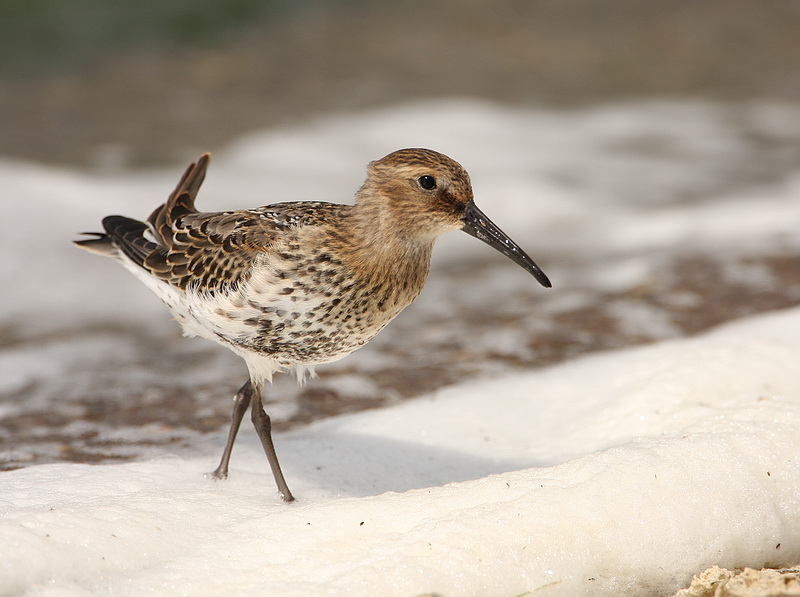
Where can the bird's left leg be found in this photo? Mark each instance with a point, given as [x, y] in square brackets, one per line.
[243, 398]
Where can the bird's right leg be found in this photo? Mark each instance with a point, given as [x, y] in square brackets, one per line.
[242, 401]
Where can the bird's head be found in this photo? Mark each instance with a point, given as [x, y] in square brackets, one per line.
[423, 194]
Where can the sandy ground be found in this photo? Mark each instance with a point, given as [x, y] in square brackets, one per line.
[720, 582]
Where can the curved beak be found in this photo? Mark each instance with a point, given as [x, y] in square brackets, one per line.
[478, 225]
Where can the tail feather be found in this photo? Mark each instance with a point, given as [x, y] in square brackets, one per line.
[102, 245]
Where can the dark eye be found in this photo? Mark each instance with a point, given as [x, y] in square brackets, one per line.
[427, 182]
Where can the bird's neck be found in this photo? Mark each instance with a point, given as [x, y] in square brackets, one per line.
[385, 252]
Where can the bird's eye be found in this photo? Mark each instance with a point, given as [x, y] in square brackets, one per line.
[427, 182]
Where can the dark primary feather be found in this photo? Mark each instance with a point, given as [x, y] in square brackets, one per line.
[121, 234]
[127, 235]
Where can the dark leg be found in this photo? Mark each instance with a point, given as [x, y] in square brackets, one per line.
[242, 401]
[264, 429]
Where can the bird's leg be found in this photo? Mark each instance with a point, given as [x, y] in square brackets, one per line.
[241, 402]
[263, 427]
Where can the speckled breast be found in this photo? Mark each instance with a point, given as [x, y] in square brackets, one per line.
[308, 307]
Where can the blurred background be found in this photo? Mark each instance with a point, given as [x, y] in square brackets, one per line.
[114, 83]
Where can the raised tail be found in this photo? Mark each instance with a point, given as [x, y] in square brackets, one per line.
[125, 236]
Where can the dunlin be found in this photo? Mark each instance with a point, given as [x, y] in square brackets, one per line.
[294, 285]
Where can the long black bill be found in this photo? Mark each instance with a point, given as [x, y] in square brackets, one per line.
[478, 225]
